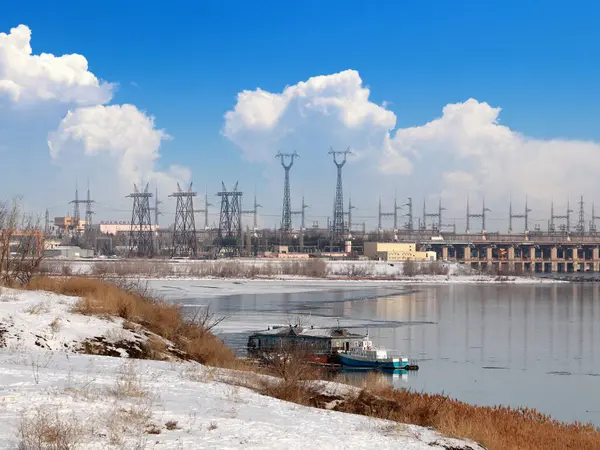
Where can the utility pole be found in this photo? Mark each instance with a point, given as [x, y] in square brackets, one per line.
[594, 217]
[512, 216]
[302, 222]
[155, 209]
[409, 225]
[254, 212]
[349, 213]
[566, 216]
[477, 216]
[581, 223]
[205, 210]
[47, 223]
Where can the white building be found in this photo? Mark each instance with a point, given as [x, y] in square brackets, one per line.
[119, 226]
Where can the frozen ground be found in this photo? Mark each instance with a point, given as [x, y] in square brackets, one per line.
[106, 402]
[273, 269]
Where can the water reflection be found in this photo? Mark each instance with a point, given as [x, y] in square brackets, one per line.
[531, 345]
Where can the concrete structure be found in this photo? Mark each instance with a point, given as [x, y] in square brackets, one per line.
[68, 252]
[528, 253]
[113, 227]
[397, 251]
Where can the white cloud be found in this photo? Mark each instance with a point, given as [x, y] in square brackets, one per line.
[323, 111]
[465, 151]
[121, 136]
[25, 77]
[495, 161]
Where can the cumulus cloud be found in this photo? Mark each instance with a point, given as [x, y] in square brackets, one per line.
[121, 136]
[487, 158]
[332, 110]
[465, 151]
[25, 77]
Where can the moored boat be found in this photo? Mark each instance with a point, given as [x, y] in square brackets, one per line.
[374, 358]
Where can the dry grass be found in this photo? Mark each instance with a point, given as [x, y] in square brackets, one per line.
[46, 430]
[501, 428]
[133, 302]
[495, 428]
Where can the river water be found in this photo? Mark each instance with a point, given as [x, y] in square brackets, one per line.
[518, 345]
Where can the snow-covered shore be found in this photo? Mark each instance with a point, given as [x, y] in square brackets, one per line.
[108, 402]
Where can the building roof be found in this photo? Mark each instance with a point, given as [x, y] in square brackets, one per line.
[325, 333]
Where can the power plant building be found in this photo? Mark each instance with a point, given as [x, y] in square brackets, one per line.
[396, 251]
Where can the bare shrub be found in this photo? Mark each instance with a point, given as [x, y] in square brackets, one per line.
[55, 325]
[316, 268]
[21, 244]
[410, 268]
[66, 270]
[128, 382]
[39, 308]
[46, 430]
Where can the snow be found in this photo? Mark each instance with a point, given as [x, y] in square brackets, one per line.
[30, 319]
[107, 402]
[360, 271]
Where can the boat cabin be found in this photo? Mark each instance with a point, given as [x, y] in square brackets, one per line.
[319, 340]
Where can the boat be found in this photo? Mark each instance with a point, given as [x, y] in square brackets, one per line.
[375, 358]
[322, 344]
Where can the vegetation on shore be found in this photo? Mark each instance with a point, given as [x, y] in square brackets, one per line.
[492, 427]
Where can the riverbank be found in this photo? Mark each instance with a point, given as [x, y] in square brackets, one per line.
[273, 269]
[182, 402]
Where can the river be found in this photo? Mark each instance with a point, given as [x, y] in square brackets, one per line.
[518, 345]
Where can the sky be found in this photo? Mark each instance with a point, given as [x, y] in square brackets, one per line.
[435, 99]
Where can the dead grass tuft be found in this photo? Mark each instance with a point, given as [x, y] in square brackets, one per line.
[133, 302]
[46, 430]
[499, 427]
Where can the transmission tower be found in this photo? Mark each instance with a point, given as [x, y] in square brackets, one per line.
[230, 221]
[140, 236]
[254, 212]
[205, 210]
[581, 222]
[286, 212]
[382, 215]
[435, 224]
[349, 214]
[184, 230]
[337, 228]
[593, 221]
[155, 208]
[76, 215]
[409, 225]
[524, 216]
[88, 219]
[567, 217]
[302, 214]
[477, 216]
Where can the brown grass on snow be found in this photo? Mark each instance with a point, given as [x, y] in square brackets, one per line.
[493, 427]
[499, 427]
[133, 303]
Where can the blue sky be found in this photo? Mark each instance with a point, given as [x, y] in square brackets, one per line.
[185, 62]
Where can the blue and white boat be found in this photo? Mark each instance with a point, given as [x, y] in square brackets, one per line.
[373, 358]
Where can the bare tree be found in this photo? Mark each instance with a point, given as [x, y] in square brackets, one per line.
[21, 244]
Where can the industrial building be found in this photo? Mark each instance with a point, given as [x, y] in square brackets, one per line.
[396, 251]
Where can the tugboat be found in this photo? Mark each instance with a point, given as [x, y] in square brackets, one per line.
[374, 358]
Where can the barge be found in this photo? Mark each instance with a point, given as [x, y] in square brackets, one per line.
[329, 346]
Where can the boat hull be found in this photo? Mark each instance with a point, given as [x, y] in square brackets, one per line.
[349, 361]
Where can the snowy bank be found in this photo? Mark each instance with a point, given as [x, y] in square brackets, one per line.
[99, 402]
